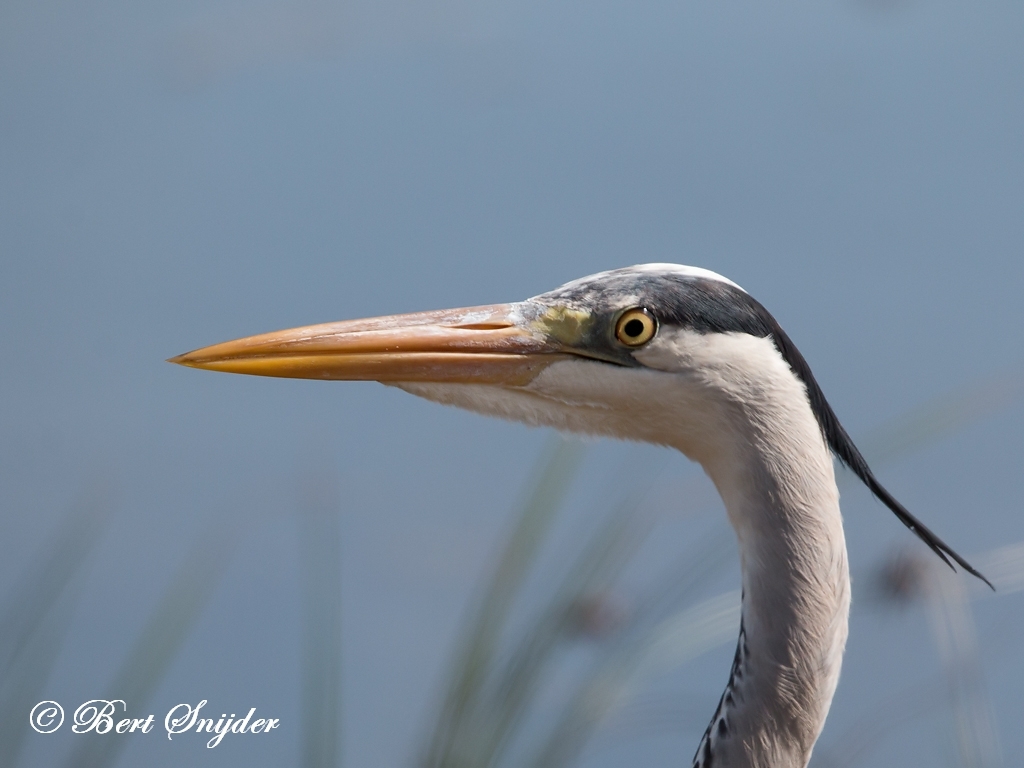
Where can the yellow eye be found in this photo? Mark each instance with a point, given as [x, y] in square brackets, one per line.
[636, 327]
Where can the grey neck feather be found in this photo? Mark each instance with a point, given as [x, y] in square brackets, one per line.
[796, 596]
[775, 475]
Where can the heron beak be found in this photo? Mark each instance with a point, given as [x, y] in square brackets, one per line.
[480, 345]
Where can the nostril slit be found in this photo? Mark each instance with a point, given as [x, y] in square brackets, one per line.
[483, 326]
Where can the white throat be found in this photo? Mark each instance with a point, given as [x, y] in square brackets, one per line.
[731, 403]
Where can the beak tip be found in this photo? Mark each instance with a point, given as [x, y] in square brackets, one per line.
[182, 360]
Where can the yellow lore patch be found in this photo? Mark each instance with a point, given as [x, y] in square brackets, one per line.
[565, 325]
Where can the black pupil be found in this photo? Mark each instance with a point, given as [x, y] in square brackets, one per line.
[633, 328]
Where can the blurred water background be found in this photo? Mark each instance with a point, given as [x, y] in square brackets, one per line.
[176, 174]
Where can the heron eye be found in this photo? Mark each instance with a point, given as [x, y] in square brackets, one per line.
[635, 327]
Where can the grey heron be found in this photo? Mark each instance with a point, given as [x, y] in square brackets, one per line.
[672, 355]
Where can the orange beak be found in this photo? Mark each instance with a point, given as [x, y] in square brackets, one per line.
[480, 345]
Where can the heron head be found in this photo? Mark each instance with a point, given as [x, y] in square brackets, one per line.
[657, 352]
[602, 354]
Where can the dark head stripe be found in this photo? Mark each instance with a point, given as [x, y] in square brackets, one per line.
[749, 316]
[708, 305]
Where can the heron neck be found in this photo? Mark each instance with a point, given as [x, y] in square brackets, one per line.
[779, 490]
